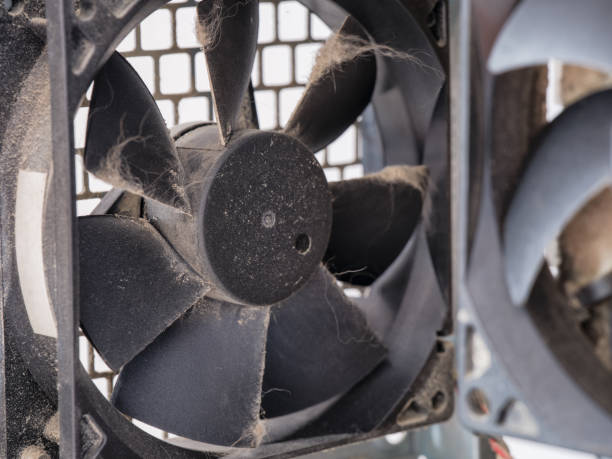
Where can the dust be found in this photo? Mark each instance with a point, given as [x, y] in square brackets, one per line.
[211, 15]
[258, 433]
[251, 437]
[208, 25]
[247, 314]
[255, 434]
[415, 176]
[352, 318]
[34, 452]
[52, 429]
[585, 249]
[585, 244]
[341, 48]
[197, 162]
[117, 170]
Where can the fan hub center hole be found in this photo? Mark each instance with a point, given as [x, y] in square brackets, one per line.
[268, 219]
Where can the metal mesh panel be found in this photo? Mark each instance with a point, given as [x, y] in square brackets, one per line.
[164, 51]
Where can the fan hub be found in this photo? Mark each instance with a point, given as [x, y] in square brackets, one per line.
[264, 218]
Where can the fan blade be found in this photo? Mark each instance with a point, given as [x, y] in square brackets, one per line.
[201, 378]
[570, 164]
[227, 30]
[411, 338]
[319, 346]
[374, 217]
[336, 95]
[132, 285]
[570, 31]
[128, 144]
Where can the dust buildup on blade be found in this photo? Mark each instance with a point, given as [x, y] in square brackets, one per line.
[227, 30]
[319, 346]
[344, 47]
[132, 285]
[115, 167]
[340, 85]
[211, 14]
[373, 219]
[416, 177]
[586, 244]
[208, 25]
[128, 144]
[201, 378]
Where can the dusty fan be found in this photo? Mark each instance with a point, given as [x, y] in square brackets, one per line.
[203, 283]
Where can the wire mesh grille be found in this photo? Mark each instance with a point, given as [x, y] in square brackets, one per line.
[164, 51]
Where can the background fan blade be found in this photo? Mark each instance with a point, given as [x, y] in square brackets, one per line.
[319, 345]
[202, 377]
[570, 31]
[334, 100]
[374, 216]
[570, 164]
[132, 285]
[227, 30]
[127, 142]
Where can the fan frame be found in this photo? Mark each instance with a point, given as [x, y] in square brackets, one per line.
[511, 358]
[74, 57]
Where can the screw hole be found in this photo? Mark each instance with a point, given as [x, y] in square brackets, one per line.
[302, 243]
[438, 400]
[414, 407]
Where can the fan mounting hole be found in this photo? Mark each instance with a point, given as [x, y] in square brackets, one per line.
[438, 401]
[302, 243]
[478, 402]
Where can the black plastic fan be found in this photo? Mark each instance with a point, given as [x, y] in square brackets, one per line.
[536, 256]
[203, 283]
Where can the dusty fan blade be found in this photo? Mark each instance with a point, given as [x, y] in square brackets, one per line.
[132, 285]
[570, 31]
[247, 117]
[570, 164]
[374, 216]
[340, 88]
[128, 144]
[201, 378]
[319, 346]
[421, 314]
[227, 30]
